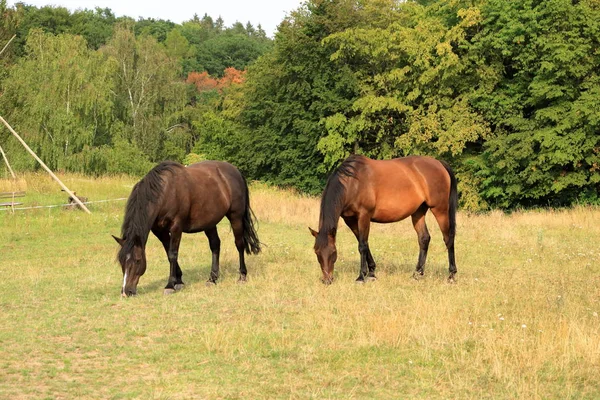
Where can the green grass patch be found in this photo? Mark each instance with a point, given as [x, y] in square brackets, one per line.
[522, 322]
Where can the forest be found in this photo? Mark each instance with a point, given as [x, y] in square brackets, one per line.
[508, 92]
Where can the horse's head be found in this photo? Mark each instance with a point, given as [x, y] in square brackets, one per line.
[326, 253]
[132, 258]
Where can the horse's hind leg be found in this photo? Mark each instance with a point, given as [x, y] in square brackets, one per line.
[215, 247]
[418, 220]
[237, 225]
[352, 223]
[441, 215]
[165, 239]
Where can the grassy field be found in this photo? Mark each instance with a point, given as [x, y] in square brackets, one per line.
[522, 321]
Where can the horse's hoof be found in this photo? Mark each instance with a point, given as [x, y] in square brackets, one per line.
[243, 279]
[371, 278]
[359, 281]
[417, 275]
[210, 283]
[179, 286]
[169, 291]
[451, 279]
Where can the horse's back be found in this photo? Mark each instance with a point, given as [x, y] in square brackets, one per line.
[219, 182]
[396, 188]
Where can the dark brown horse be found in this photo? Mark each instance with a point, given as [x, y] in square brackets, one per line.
[362, 191]
[172, 199]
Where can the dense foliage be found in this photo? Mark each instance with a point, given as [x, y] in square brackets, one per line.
[507, 91]
[97, 94]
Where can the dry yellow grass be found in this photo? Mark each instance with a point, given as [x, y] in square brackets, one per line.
[522, 321]
[13, 185]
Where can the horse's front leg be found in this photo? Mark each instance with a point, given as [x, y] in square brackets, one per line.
[174, 281]
[364, 226]
[352, 223]
[165, 239]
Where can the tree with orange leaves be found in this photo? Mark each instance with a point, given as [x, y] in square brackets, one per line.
[204, 82]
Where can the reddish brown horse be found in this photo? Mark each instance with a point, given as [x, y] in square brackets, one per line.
[172, 199]
[362, 191]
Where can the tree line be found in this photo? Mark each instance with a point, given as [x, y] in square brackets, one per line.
[507, 92]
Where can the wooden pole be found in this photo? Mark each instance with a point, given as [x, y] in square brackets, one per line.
[7, 164]
[66, 189]
[4, 48]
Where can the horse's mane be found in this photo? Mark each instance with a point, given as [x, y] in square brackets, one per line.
[137, 222]
[332, 200]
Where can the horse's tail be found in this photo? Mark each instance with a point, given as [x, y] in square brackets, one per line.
[453, 200]
[251, 242]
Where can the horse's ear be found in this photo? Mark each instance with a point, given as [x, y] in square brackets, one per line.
[118, 240]
[313, 232]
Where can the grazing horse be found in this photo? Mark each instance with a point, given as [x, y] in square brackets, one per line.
[172, 199]
[362, 191]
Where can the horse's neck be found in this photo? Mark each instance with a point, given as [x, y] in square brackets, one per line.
[142, 231]
[331, 214]
[330, 222]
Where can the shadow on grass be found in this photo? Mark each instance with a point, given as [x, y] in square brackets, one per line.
[389, 267]
[436, 271]
[191, 276]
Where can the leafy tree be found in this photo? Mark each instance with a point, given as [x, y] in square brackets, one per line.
[197, 31]
[234, 48]
[96, 26]
[507, 91]
[544, 103]
[59, 97]
[157, 28]
[135, 107]
[9, 20]
[287, 94]
[149, 96]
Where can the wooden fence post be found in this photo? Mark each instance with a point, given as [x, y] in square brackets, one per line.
[7, 164]
[66, 189]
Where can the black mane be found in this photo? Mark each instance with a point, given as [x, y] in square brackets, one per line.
[332, 200]
[137, 222]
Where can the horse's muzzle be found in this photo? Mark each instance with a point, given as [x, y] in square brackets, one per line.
[128, 292]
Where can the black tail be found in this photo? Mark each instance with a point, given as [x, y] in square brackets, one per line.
[453, 201]
[251, 242]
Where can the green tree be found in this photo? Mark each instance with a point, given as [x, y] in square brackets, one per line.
[149, 95]
[9, 21]
[288, 93]
[157, 28]
[59, 97]
[96, 26]
[415, 86]
[544, 103]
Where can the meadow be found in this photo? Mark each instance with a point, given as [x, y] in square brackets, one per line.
[521, 322]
